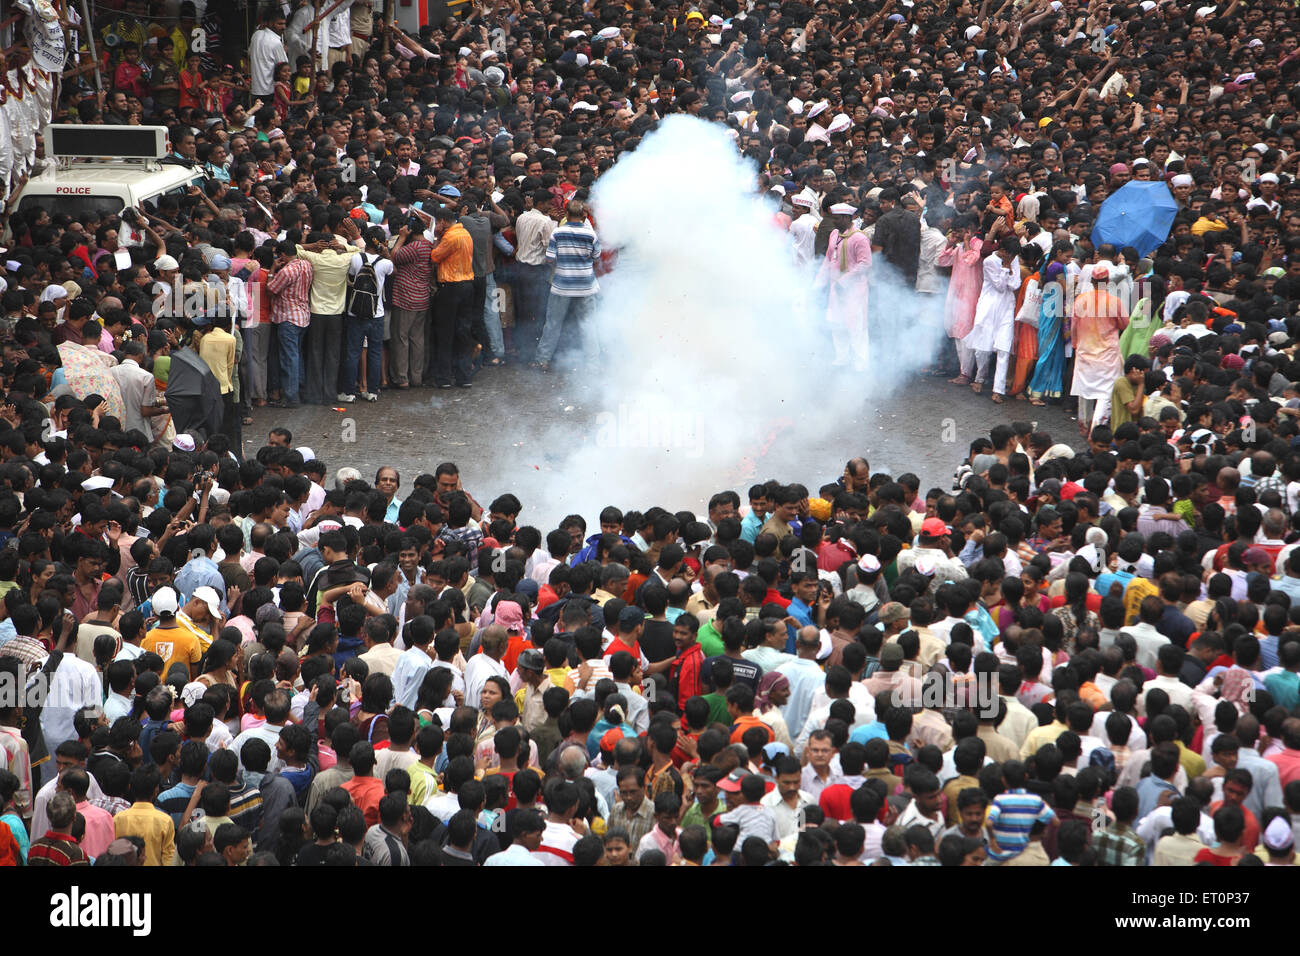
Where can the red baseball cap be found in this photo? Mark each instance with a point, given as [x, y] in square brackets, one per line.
[731, 782]
[934, 528]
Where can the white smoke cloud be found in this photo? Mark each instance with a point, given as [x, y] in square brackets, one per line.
[716, 369]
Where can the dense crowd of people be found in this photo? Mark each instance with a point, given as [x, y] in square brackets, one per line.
[215, 654]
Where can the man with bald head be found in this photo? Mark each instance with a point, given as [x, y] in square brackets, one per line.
[678, 594]
[704, 602]
[805, 677]
[487, 664]
[141, 403]
[857, 476]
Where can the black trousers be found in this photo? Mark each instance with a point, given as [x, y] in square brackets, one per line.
[453, 323]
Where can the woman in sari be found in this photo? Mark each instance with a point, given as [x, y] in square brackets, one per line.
[1049, 373]
[160, 348]
[773, 692]
[1144, 320]
[495, 689]
[372, 718]
[1028, 306]
[86, 370]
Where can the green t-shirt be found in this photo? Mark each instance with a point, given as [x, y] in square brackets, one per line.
[1123, 393]
[718, 709]
[710, 641]
[694, 815]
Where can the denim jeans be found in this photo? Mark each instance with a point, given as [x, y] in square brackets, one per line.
[290, 338]
[492, 319]
[369, 332]
[532, 287]
[578, 308]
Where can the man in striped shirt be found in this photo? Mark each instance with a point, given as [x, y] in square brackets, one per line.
[1013, 815]
[412, 280]
[290, 288]
[58, 847]
[575, 249]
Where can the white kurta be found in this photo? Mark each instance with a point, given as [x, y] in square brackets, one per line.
[995, 312]
[803, 234]
[6, 150]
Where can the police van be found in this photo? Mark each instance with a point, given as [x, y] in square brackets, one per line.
[105, 169]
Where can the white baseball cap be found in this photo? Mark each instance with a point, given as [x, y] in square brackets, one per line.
[165, 601]
[209, 597]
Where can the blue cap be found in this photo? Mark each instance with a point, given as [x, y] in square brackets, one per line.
[449, 190]
[219, 261]
[773, 750]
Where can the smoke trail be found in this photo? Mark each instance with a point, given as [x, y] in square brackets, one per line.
[715, 373]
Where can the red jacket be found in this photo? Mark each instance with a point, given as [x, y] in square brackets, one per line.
[684, 676]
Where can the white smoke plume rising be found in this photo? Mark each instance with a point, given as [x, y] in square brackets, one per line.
[715, 368]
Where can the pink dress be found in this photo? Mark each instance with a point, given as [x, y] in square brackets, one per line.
[964, 288]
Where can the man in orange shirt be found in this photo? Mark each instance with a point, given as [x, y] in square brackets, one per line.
[453, 305]
[740, 705]
[365, 789]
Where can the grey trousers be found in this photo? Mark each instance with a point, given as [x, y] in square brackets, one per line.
[406, 346]
[257, 346]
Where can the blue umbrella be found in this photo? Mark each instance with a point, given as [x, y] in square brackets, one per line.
[1138, 214]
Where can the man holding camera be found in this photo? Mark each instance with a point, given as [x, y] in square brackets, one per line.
[412, 284]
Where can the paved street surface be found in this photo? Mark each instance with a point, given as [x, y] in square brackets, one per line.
[516, 430]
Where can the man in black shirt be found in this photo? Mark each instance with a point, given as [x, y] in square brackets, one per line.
[898, 235]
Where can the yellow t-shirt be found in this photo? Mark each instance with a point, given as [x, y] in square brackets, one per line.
[217, 348]
[175, 645]
[1138, 589]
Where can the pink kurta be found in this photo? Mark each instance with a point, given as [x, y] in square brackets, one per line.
[1096, 323]
[964, 288]
[847, 277]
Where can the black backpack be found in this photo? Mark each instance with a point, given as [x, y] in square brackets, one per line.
[363, 290]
